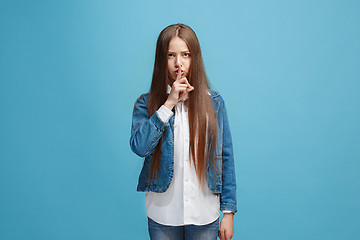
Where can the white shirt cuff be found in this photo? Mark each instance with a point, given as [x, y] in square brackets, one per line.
[227, 211]
[164, 114]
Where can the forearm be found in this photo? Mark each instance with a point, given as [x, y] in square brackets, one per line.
[146, 132]
[228, 193]
[145, 138]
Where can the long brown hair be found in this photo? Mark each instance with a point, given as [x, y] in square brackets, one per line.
[202, 117]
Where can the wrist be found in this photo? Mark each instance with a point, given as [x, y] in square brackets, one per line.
[169, 104]
[230, 214]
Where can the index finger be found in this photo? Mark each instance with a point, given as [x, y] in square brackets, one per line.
[178, 76]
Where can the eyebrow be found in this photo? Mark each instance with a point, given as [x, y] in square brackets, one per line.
[181, 51]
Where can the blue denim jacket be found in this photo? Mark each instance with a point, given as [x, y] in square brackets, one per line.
[145, 134]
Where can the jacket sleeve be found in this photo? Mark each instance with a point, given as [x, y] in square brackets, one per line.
[228, 193]
[145, 131]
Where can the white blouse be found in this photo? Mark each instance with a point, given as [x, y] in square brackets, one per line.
[185, 201]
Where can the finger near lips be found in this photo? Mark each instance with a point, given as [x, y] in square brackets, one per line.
[181, 83]
[184, 80]
[178, 74]
[180, 86]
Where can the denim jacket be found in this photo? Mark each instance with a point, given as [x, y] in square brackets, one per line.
[146, 132]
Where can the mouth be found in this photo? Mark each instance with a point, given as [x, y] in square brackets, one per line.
[182, 72]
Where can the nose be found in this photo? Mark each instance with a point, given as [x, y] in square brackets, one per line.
[178, 61]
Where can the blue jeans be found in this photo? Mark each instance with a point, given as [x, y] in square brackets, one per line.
[189, 232]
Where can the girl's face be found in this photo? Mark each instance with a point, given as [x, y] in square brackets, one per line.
[178, 56]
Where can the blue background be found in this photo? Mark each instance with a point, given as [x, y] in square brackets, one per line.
[70, 72]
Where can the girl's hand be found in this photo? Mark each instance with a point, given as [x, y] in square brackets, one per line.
[179, 91]
[226, 231]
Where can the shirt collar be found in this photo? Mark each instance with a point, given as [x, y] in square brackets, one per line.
[168, 89]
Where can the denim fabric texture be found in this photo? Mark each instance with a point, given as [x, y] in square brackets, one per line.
[145, 135]
[189, 232]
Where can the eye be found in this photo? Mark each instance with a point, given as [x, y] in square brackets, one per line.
[170, 55]
[187, 55]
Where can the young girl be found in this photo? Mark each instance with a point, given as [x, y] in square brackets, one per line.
[182, 130]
